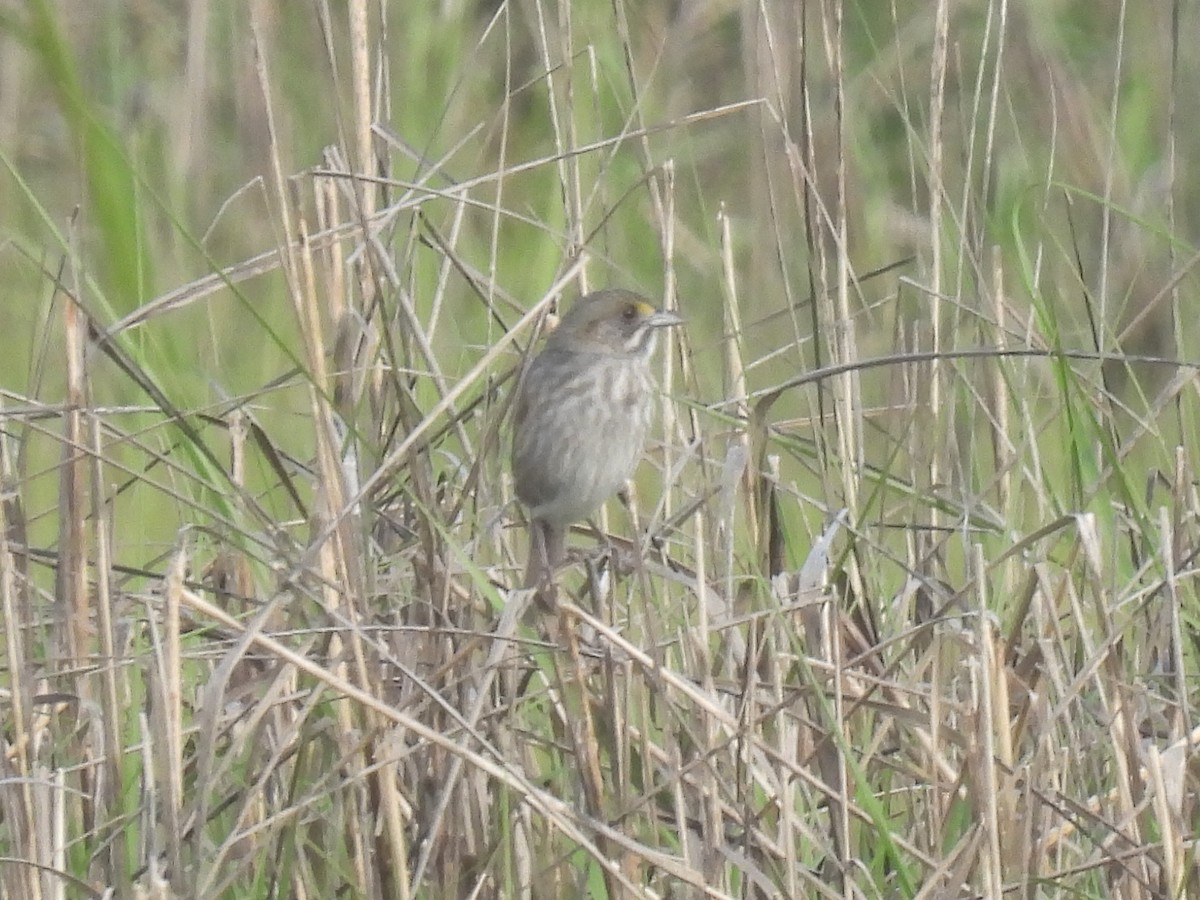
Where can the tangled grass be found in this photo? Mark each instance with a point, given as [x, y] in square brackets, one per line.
[899, 604]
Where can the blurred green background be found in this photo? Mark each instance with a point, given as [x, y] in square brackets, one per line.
[137, 155]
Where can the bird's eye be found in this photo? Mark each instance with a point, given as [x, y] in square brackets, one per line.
[630, 312]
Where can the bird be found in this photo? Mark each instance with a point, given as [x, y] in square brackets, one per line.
[582, 411]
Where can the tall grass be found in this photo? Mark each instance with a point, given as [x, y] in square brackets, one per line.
[900, 602]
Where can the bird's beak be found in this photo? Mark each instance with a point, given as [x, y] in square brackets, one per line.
[664, 318]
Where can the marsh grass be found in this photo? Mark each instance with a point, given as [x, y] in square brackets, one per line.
[900, 603]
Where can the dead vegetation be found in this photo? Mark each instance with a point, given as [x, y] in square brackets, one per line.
[900, 604]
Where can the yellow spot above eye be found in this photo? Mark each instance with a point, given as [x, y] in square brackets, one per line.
[644, 309]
